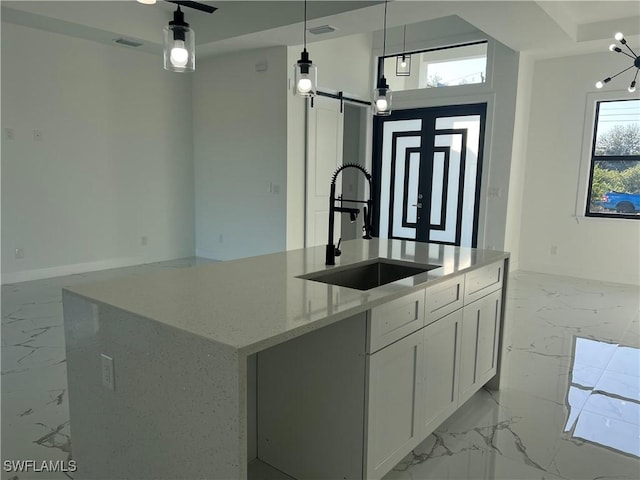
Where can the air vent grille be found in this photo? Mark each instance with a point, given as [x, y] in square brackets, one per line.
[127, 42]
[322, 29]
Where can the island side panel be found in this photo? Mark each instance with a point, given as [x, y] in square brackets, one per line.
[311, 402]
[178, 406]
[504, 338]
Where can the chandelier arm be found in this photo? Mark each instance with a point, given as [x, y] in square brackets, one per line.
[614, 76]
[635, 55]
[636, 75]
[630, 56]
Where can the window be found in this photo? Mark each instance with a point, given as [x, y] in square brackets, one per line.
[441, 67]
[614, 177]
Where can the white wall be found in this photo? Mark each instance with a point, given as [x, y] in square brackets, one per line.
[518, 161]
[114, 163]
[343, 65]
[598, 248]
[240, 150]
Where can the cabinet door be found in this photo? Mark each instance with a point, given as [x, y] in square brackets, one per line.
[441, 361]
[393, 420]
[479, 348]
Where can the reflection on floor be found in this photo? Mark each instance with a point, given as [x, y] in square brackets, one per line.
[568, 408]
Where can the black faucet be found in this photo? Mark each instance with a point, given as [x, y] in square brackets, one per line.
[332, 251]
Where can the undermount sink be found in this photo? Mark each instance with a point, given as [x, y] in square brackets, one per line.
[369, 274]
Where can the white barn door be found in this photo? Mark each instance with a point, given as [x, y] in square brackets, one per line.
[324, 155]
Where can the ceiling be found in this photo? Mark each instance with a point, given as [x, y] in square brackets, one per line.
[542, 28]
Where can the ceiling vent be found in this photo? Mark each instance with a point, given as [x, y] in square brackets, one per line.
[322, 29]
[128, 43]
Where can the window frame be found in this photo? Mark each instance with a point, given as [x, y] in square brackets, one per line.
[589, 148]
[469, 43]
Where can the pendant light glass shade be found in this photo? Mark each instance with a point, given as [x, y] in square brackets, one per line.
[403, 61]
[305, 76]
[382, 98]
[403, 65]
[179, 45]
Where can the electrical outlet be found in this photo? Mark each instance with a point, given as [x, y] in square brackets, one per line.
[221, 238]
[19, 253]
[108, 380]
[9, 134]
[37, 135]
[276, 189]
[554, 249]
[144, 240]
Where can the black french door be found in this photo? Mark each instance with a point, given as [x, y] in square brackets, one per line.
[427, 169]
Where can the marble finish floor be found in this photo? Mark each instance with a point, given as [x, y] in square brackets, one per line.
[569, 407]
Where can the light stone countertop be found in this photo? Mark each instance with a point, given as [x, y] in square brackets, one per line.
[254, 303]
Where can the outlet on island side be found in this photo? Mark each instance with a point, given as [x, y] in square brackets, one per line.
[19, 253]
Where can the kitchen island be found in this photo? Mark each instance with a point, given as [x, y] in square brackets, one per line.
[195, 372]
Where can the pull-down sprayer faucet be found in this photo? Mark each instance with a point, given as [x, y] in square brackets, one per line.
[332, 251]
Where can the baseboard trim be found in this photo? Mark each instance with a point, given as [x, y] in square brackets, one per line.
[200, 252]
[62, 270]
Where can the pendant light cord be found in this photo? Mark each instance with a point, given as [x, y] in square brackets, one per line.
[404, 41]
[384, 35]
[305, 25]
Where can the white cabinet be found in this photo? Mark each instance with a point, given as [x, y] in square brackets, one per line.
[393, 416]
[483, 281]
[440, 366]
[350, 400]
[395, 319]
[444, 298]
[479, 349]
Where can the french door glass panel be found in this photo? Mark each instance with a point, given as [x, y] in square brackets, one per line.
[427, 166]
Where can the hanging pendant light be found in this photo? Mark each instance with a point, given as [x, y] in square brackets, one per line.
[305, 72]
[179, 45]
[403, 62]
[382, 93]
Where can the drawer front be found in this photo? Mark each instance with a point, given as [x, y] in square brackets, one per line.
[394, 320]
[483, 281]
[444, 298]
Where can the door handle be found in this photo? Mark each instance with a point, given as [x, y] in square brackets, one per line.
[419, 205]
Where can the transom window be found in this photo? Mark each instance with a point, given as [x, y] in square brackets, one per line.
[449, 66]
[614, 178]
